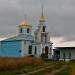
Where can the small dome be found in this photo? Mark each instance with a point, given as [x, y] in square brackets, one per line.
[42, 18]
[25, 23]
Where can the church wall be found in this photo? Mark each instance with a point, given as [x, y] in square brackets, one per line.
[39, 50]
[38, 38]
[25, 48]
[48, 37]
[10, 49]
[40, 47]
[25, 31]
[33, 50]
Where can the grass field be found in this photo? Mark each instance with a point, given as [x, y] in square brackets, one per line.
[69, 70]
[14, 66]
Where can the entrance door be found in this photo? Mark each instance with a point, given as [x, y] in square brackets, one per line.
[46, 51]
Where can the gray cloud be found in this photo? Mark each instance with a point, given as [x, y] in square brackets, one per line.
[60, 16]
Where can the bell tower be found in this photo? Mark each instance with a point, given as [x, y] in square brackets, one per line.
[42, 38]
[41, 34]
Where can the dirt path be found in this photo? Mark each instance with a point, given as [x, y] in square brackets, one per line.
[37, 70]
[52, 73]
[55, 71]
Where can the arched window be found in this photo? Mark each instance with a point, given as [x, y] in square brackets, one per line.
[27, 30]
[21, 30]
[43, 28]
[30, 49]
[35, 49]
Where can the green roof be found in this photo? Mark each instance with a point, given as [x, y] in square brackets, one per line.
[21, 37]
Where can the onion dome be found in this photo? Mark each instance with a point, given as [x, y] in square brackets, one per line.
[42, 18]
[25, 24]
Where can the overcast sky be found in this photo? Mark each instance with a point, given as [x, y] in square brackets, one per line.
[59, 14]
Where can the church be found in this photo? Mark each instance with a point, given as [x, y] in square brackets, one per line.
[25, 44]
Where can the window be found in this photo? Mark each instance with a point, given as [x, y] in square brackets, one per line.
[20, 51]
[21, 30]
[43, 28]
[27, 30]
[35, 49]
[30, 49]
[64, 56]
[69, 55]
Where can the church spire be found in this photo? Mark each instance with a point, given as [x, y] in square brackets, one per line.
[42, 10]
[42, 18]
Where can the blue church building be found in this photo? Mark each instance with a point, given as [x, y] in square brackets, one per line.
[24, 44]
[13, 47]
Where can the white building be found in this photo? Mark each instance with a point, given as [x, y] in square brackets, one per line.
[64, 53]
[42, 44]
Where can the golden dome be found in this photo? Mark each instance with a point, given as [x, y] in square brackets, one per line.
[25, 24]
[42, 18]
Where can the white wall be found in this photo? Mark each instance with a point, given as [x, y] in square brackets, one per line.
[67, 54]
[39, 50]
[73, 54]
[25, 47]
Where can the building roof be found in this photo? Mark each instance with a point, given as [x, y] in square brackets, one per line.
[60, 43]
[21, 37]
[64, 48]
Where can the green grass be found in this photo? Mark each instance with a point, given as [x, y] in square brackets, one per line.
[48, 70]
[21, 70]
[37, 67]
[66, 71]
[26, 69]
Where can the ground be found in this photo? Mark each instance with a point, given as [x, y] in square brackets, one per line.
[34, 66]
